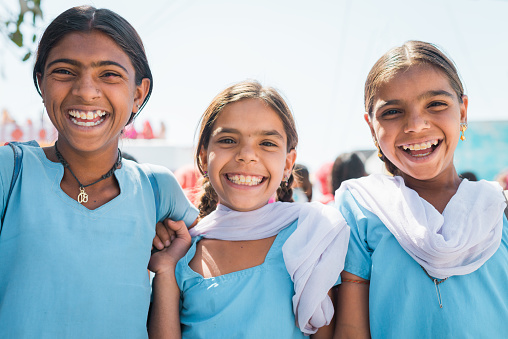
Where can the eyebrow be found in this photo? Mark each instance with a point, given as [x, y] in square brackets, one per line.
[227, 130]
[94, 64]
[431, 94]
[423, 96]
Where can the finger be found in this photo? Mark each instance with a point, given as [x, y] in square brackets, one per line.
[179, 228]
[164, 233]
[157, 243]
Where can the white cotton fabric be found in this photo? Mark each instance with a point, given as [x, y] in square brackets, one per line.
[314, 254]
[457, 242]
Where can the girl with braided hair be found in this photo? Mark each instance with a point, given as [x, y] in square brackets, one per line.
[254, 269]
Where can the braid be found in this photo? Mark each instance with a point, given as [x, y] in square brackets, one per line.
[285, 192]
[208, 200]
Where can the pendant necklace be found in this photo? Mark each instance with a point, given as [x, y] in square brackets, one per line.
[83, 196]
[436, 283]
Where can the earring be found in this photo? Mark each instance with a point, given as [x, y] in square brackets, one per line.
[285, 182]
[379, 154]
[205, 174]
[137, 105]
[463, 128]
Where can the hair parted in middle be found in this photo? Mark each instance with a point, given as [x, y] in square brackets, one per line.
[249, 89]
[88, 19]
[411, 53]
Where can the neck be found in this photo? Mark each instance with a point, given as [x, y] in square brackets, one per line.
[88, 166]
[437, 191]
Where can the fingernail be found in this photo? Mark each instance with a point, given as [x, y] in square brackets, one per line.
[168, 242]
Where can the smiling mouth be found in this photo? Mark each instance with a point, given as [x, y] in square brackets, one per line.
[247, 180]
[87, 118]
[421, 149]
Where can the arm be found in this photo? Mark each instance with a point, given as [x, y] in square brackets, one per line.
[164, 320]
[352, 316]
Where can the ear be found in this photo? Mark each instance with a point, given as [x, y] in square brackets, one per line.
[39, 83]
[367, 120]
[140, 94]
[290, 162]
[463, 108]
[203, 159]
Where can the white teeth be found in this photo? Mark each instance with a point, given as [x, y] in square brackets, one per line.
[88, 123]
[248, 180]
[418, 147]
[421, 155]
[88, 115]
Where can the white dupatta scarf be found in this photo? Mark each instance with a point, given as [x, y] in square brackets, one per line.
[457, 242]
[314, 254]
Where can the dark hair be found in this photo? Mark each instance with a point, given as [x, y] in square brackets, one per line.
[87, 19]
[249, 89]
[398, 59]
[301, 173]
[469, 176]
[347, 166]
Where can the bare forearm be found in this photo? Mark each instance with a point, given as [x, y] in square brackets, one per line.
[164, 321]
[352, 317]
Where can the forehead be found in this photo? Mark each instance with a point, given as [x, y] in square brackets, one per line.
[249, 116]
[89, 47]
[413, 82]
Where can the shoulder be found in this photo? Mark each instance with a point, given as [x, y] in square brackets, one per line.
[7, 167]
[161, 174]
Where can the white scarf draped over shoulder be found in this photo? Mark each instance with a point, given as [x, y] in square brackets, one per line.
[314, 253]
[457, 242]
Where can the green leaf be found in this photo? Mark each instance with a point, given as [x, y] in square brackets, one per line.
[17, 38]
[27, 56]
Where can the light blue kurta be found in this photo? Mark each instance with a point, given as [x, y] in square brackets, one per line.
[403, 302]
[251, 303]
[69, 272]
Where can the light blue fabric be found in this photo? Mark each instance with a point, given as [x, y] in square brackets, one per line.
[251, 303]
[403, 302]
[69, 272]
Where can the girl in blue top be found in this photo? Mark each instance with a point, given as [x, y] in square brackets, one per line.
[428, 252]
[77, 228]
[254, 270]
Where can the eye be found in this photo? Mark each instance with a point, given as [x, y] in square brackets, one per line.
[61, 71]
[268, 144]
[438, 104]
[226, 141]
[390, 113]
[110, 75]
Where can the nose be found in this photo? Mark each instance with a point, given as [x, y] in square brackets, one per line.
[86, 88]
[416, 121]
[246, 153]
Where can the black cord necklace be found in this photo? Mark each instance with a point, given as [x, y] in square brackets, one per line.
[83, 196]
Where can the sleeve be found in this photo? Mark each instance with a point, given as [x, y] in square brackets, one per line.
[173, 202]
[358, 258]
[6, 169]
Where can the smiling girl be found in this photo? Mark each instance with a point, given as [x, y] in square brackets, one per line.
[254, 270]
[428, 250]
[77, 229]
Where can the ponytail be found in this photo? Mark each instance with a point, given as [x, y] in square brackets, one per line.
[208, 200]
[285, 190]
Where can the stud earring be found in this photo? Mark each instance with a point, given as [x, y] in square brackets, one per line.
[137, 105]
[205, 174]
[463, 128]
